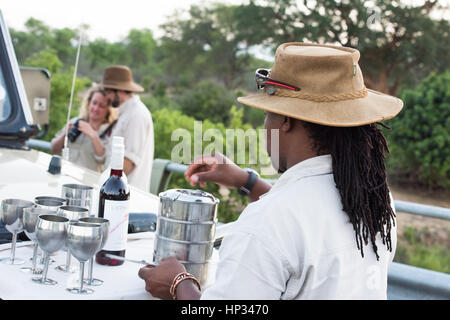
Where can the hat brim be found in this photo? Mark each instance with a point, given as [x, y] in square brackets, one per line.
[375, 107]
[133, 87]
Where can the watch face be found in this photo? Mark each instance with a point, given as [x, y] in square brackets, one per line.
[252, 170]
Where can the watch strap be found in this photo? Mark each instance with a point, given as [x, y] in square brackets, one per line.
[247, 188]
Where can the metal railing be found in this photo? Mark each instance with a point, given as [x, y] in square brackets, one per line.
[404, 281]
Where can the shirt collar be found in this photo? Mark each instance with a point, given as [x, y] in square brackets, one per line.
[310, 167]
[127, 104]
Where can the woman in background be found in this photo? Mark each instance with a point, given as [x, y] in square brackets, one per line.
[94, 124]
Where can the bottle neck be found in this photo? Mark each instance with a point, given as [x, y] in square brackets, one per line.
[117, 159]
[116, 173]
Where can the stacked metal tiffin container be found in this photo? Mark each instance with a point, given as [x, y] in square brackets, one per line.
[186, 228]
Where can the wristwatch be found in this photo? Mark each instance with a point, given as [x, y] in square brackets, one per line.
[252, 178]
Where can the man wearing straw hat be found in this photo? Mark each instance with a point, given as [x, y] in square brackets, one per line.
[326, 228]
[134, 124]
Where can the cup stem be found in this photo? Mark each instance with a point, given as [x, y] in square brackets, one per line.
[91, 266]
[35, 249]
[46, 261]
[68, 260]
[81, 276]
[13, 246]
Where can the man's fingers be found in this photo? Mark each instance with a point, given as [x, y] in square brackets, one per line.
[144, 272]
[202, 177]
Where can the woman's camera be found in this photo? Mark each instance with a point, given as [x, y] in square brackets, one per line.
[74, 132]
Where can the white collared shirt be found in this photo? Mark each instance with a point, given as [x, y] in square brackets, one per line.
[135, 125]
[295, 242]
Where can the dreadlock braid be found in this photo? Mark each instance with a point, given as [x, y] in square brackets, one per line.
[359, 171]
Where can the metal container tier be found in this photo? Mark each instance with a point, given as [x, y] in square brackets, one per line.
[183, 250]
[188, 205]
[198, 270]
[186, 230]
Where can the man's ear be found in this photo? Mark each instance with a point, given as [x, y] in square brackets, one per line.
[287, 124]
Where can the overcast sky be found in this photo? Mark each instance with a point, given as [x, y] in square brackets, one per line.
[111, 19]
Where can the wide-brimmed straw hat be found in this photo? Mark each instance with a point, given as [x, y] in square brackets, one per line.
[321, 84]
[120, 78]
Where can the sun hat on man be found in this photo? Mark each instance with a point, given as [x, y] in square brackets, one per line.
[120, 78]
[330, 84]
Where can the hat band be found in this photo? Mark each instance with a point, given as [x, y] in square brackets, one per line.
[320, 98]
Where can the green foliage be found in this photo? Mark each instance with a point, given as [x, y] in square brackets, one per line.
[415, 248]
[206, 100]
[420, 135]
[167, 122]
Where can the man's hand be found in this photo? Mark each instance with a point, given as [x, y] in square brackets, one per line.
[216, 168]
[159, 279]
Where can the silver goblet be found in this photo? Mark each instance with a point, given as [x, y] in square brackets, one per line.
[52, 198]
[73, 213]
[104, 223]
[51, 234]
[12, 218]
[84, 240]
[77, 194]
[30, 219]
[49, 204]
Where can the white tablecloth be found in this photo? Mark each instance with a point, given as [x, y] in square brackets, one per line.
[120, 282]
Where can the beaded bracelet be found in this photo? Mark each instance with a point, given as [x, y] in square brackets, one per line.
[178, 279]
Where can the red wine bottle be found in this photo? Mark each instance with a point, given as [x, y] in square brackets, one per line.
[113, 205]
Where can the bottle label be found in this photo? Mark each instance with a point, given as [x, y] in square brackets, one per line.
[117, 213]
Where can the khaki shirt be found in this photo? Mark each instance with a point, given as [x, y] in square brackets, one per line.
[135, 125]
[81, 151]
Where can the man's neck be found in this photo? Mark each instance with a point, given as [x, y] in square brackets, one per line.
[292, 161]
[125, 98]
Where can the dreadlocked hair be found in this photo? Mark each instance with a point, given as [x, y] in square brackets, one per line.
[359, 172]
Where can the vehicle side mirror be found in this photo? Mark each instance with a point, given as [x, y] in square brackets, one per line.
[37, 87]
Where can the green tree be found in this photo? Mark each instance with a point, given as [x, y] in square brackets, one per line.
[204, 45]
[207, 100]
[400, 44]
[420, 138]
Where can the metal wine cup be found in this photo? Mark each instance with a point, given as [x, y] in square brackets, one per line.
[49, 204]
[77, 194]
[105, 231]
[30, 219]
[12, 213]
[104, 223]
[83, 240]
[73, 213]
[63, 200]
[12, 218]
[51, 234]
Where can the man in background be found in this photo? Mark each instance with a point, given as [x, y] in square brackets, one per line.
[134, 124]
